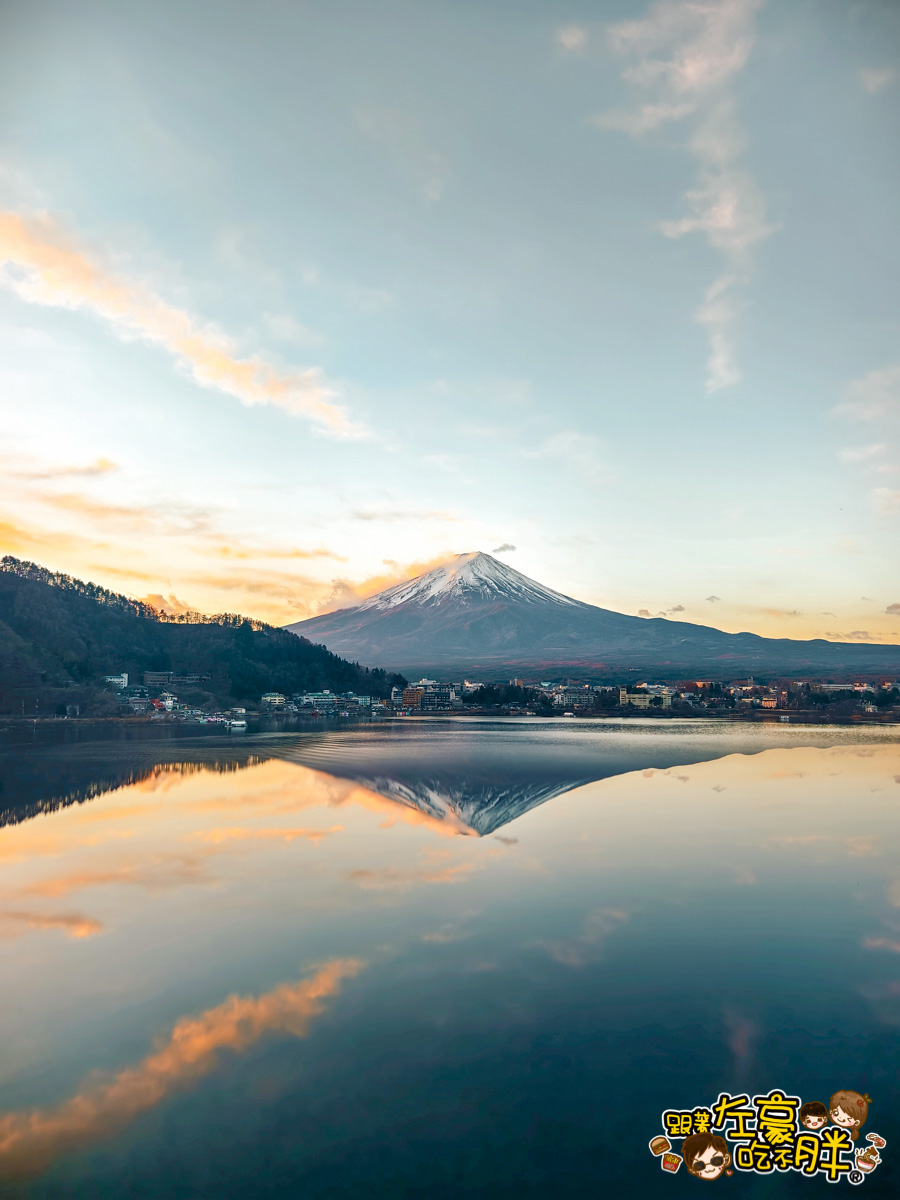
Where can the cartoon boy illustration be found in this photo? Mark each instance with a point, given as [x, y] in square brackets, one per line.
[705, 1155]
[813, 1115]
[849, 1110]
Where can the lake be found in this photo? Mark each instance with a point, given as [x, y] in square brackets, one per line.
[438, 958]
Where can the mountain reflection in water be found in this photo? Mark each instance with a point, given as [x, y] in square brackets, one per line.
[478, 777]
[431, 958]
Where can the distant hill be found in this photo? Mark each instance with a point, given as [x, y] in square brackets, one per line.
[59, 636]
[480, 616]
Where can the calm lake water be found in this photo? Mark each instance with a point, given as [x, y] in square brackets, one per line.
[438, 958]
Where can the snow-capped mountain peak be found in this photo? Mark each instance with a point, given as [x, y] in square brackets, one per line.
[468, 577]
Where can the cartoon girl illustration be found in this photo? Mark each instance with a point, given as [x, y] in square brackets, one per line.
[849, 1110]
[813, 1115]
[705, 1155]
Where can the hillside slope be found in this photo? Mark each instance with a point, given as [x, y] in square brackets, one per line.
[58, 634]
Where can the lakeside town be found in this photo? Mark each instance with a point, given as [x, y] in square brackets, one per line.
[178, 696]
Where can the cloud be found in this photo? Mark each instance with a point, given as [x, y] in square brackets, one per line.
[743, 1034]
[714, 599]
[688, 53]
[155, 874]
[159, 516]
[31, 1138]
[676, 608]
[575, 449]
[43, 266]
[589, 944]
[285, 328]
[572, 38]
[855, 635]
[99, 467]
[882, 943]
[501, 549]
[874, 396]
[643, 119]
[893, 609]
[346, 593]
[75, 925]
[243, 551]
[170, 605]
[404, 514]
[644, 612]
[445, 935]
[390, 878]
[404, 139]
[236, 834]
[873, 79]
[861, 453]
[886, 500]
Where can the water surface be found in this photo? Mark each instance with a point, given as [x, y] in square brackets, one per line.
[437, 958]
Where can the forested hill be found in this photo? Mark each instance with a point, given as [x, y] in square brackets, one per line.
[60, 636]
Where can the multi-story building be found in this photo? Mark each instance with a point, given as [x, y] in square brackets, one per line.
[273, 701]
[166, 679]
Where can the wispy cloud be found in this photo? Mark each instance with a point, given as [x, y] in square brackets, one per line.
[43, 266]
[885, 500]
[874, 397]
[572, 38]
[404, 139]
[873, 79]
[589, 944]
[402, 879]
[852, 635]
[236, 833]
[688, 52]
[15, 923]
[882, 943]
[861, 453]
[582, 451]
[284, 327]
[503, 549]
[32, 1138]
[93, 470]
[345, 593]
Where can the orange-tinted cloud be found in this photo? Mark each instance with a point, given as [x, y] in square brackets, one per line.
[155, 874]
[346, 593]
[99, 467]
[237, 834]
[15, 923]
[60, 275]
[170, 605]
[402, 880]
[254, 552]
[31, 1139]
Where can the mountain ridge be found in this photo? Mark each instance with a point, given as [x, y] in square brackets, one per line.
[476, 613]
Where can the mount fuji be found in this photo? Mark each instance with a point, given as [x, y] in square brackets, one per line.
[476, 614]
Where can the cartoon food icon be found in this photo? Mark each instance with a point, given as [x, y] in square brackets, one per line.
[670, 1162]
[867, 1160]
[660, 1145]
[876, 1140]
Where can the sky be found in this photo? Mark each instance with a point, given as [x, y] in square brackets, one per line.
[297, 299]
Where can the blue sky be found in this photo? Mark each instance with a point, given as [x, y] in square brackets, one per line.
[300, 296]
